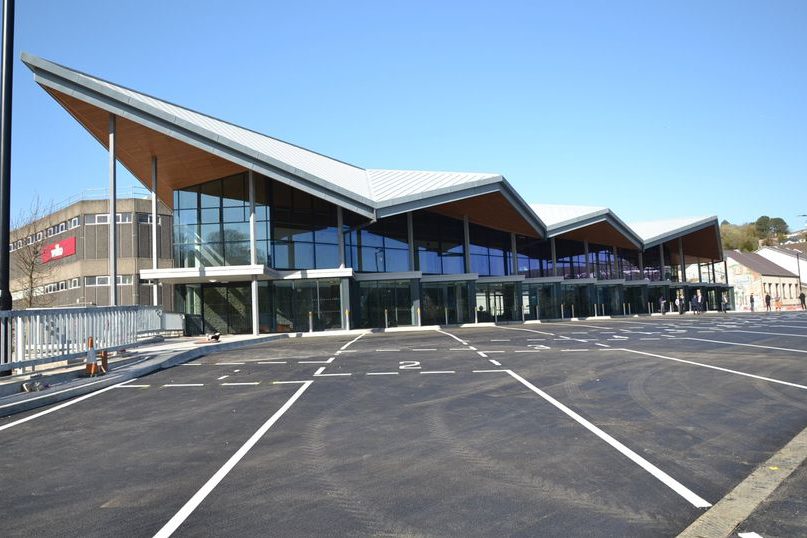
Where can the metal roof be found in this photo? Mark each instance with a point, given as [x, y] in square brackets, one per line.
[560, 219]
[758, 263]
[659, 231]
[353, 187]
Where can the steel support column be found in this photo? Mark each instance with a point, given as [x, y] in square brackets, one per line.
[410, 239]
[514, 251]
[683, 278]
[554, 257]
[154, 219]
[113, 211]
[253, 255]
[340, 235]
[588, 261]
[661, 261]
[466, 243]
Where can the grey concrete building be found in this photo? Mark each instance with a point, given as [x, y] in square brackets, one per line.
[63, 256]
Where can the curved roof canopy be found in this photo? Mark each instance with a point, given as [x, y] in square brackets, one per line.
[193, 148]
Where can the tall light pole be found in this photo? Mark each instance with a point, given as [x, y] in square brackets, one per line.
[6, 75]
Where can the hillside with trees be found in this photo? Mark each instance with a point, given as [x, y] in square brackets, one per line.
[749, 236]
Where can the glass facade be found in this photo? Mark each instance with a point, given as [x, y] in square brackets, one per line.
[491, 253]
[382, 247]
[298, 231]
[383, 303]
[439, 244]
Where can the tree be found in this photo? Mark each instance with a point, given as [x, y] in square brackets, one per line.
[738, 236]
[31, 272]
[779, 228]
[763, 227]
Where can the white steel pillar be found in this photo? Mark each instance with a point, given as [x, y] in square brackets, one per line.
[514, 252]
[113, 210]
[154, 256]
[253, 255]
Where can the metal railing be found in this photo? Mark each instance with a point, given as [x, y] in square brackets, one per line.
[43, 335]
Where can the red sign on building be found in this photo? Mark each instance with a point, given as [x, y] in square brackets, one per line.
[59, 250]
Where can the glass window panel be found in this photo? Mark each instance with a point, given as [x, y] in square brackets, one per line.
[237, 253]
[211, 194]
[262, 212]
[186, 199]
[186, 234]
[326, 235]
[371, 239]
[187, 216]
[479, 264]
[261, 230]
[303, 256]
[290, 232]
[235, 214]
[281, 258]
[497, 266]
[210, 233]
[453, 264]
[235, 191]
[210, 216]
[236, 231]
[372, 259]
[429, 262]
[211, 254]
[262, 253]
[396, 260]
[327, 256]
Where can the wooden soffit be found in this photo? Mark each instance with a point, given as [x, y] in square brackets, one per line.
[703, 245]
[492, 210]
[179, 165]
[602, 233]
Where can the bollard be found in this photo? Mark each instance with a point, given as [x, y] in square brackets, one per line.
[649, 307]
[445, 308]
[629, 309]
[417, 313]
[602, 309]
[572, 310]
[495, 317]
[623, 309]
[104, 362]
[310, 321]
[561, 310]
[595, 310]
[347, 319]
[476, 316]
[386, 319]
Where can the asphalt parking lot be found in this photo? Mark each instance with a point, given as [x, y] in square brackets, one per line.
[623, 427]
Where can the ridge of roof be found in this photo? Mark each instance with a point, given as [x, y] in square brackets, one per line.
[758, 263]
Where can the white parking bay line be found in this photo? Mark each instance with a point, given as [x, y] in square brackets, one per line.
[601, 345]
[666, 479]
[424, 349]
[222, 377]
[134, 386]
[352, 341]
[272, 362]
[744, 345]
[174, 523]
[229, 363]
[386, 350]
[62, 406]
[779, 381]
[763, 332]
[382, 373]
[184, 385]
[331, 375]
[457, 338]
[242, 384]
[494, 363]
[437, 372]
[191, 364]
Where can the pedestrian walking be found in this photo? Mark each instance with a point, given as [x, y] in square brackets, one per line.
[700, 302]
[662, 302]
[777, 303]
[801, 298]
[752, 302]
[679, 304]
[725, 303]
[767, 302]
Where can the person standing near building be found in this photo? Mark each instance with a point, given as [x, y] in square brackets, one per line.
[662, 302]
[801, 298]
[752, 302]
[767, 302]
[725, 303]
[700, 303]
[777, 303]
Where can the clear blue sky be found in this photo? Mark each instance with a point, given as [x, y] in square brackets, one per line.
[655, 109]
